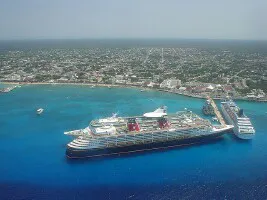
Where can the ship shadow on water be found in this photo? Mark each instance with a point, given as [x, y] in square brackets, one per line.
[142, 153]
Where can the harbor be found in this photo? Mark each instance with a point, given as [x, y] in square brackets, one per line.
[233, 114]
[39, 140]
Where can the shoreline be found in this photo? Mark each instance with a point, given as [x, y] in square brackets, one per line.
[123, 86]
[77, 84]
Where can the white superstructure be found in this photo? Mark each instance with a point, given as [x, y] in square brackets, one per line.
[235, 116]
[160, 112]
[170, 83]
[153, 127]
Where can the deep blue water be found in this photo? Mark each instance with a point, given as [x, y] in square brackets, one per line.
[33, 163]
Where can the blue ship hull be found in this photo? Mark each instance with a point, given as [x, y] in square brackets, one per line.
[90, 153]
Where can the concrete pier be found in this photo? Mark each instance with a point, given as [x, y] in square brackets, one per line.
[216, 111]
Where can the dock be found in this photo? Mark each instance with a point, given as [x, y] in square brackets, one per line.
[216, 111]
[8, 89]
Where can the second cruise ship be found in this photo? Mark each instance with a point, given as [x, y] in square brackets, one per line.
[234, 115]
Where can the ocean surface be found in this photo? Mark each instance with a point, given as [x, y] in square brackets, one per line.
[33, 163]
[233, 45]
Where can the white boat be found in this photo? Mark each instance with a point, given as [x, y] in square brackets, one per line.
[215, 119]
[39, 111]
[151, 131]
[243, 127]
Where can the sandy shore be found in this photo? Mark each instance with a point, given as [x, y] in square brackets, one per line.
[78, 84]
[48, 83]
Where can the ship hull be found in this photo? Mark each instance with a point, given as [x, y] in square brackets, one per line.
[91, 153]
[244, 136]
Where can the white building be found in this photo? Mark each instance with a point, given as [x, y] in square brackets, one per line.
[119, 77]
[210, 87]
[151, 84]
[170, 83]
[182, 88]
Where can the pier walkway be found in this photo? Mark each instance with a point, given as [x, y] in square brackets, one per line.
[216, 111]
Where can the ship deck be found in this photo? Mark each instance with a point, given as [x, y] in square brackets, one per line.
[178, 121]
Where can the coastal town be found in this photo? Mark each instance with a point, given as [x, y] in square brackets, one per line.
[196, 72]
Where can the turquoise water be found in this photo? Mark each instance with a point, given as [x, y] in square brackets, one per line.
[33, 163]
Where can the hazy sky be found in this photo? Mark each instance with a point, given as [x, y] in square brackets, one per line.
[210, 19]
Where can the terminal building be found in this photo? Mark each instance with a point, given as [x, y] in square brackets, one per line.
[170, 83]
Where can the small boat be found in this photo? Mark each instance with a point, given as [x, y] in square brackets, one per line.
[207, 108]
[39, 111]
[141, 90]
[215, 119]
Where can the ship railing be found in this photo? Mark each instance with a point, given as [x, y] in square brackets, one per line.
[149, 131]
[247, 131]
[142, 138]
[243, 119]
[246, 127]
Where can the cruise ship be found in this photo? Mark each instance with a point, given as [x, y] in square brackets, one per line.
[150, 131]
[235, 116]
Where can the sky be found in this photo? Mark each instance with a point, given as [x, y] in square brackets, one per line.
[189, 19]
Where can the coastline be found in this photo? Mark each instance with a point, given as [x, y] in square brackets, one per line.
[79, 84]
[124, 86]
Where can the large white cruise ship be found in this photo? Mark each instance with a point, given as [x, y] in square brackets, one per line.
[234, 115]
[151, 131]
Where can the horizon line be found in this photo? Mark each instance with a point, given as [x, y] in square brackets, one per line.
[132, 38]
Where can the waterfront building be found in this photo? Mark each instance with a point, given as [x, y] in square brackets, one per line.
[170, 83]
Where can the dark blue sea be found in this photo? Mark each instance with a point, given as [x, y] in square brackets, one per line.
[33, 163]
